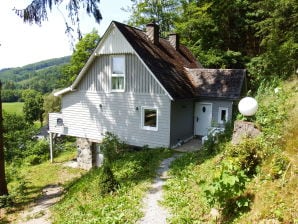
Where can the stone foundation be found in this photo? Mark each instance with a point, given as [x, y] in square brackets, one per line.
[88, 154]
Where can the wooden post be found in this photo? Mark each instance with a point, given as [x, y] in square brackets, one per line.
[51, 146]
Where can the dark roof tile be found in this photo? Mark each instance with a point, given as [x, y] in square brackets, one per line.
[178, 70]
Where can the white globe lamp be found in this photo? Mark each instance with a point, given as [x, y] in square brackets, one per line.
[248, 106]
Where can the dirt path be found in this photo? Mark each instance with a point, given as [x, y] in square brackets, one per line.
[39, 212]
[154, 213]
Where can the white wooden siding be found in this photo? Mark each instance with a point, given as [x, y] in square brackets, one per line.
[216, 104]
[137, 78]
[84, 117]
[114, 43]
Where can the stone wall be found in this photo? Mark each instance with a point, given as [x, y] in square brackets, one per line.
[88, 154]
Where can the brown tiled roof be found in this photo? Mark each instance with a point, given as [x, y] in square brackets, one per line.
[178, 70]
[219, 83]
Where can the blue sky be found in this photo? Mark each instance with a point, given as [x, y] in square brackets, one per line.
[23, 44]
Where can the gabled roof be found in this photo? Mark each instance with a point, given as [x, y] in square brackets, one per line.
[177, 70]
[166, 63]
[219, 83]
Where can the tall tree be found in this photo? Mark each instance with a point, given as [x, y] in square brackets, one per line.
[3, 184]
[219, 32]
[163, 12]
[51, 104]
[37, 12]
[33, 106]
[277, 31]
[84, 48]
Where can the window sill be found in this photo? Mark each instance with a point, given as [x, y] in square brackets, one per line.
[147, 128]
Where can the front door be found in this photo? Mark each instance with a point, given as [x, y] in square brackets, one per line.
[203, 116]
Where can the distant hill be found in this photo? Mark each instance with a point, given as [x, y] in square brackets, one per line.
[41, 76]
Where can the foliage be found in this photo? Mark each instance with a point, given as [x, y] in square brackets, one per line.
[83, 49]
[111, 148]
[279, 40]
[279, 164]
[107, 181]
[226, 189]
[41, 76]
[84, 203]
[247, 155]
[51, 104]
[164, 13]
[33, 104]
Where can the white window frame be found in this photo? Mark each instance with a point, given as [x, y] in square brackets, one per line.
[143, 119]
[113, 75]
[220, 109]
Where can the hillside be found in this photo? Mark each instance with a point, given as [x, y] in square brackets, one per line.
[41, 76]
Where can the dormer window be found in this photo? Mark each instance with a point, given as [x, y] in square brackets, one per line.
[118, 74]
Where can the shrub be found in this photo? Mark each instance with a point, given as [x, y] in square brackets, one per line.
[111, 146]
[226, 190]
[279, 164]
[247, 155]
[107, 181]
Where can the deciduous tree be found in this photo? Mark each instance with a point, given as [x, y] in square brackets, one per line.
[84, 48]
[33, 106]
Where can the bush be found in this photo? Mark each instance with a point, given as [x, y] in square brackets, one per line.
[111, 147]
[247, 155]
[107, 181]
[226, 190]
[279, 164]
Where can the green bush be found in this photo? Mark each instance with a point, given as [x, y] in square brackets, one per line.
[107, 181]
[247, 155]
[111, 148]
[225, 191]
[279, 164]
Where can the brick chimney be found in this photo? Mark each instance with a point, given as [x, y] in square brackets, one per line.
[174, 40]
[152, 31]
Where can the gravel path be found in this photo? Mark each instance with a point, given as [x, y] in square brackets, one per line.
[39, 212]
[154, 213]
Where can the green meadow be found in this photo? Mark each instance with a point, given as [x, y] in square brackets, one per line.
[15, 107]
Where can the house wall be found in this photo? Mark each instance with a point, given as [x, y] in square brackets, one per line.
[216, 104]
[138, 79]
[84, 117]
[182, 115]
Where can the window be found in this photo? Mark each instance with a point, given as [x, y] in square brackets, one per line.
[118, 74]
[222, 115]
[149, 119]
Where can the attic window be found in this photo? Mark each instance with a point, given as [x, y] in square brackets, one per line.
[222, 115]
[118, 74]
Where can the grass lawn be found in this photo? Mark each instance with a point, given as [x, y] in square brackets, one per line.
[133, 171]
[15, 107]
[33, 178]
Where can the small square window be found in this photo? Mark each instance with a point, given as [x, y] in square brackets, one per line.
[149, 119]
[117, 83]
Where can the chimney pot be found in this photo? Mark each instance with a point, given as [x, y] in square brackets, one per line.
[174, 40]
[152, 31]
